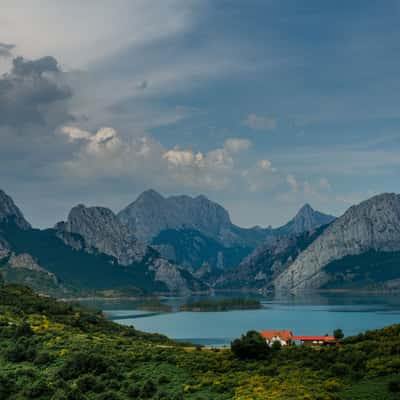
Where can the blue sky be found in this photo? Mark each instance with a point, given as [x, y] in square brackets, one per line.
[259, 105]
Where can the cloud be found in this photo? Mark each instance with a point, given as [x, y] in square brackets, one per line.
[291, 180]
[262, 176]
[106, 154]
[260, 123]
[236, 145]
[6, 49]
[74, 133]
[30, 92]
[94, 31]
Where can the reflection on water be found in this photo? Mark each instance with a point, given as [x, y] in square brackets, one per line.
[304, 314]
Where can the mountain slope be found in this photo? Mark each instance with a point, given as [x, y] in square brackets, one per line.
[267, 261]
[101, 230]
[373, 225]
[10, 212]
[91, 251]
[192, 249]
[104, 233]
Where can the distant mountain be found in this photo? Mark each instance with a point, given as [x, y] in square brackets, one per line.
[359, 249]
[91, 251]
[151, 213]
[305, 220]
[196, 231]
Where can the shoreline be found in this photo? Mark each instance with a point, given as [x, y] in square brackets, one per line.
[251, 291]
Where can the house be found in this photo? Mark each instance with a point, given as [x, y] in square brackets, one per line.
[315, 340]
[283, 337]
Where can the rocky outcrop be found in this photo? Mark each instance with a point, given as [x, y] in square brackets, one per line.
[9, 212]
[372, 225]
[101, 230]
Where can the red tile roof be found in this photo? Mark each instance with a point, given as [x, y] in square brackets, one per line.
[284, 335]
[314, 338]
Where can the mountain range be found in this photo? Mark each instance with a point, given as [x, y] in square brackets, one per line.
[184, 244]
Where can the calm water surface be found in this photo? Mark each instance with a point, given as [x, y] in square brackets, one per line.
[307, 314]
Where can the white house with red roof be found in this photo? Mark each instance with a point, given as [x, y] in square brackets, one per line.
[282, 337]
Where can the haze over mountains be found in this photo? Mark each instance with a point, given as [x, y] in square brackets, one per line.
[182, 244]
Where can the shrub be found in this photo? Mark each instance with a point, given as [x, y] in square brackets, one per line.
[83, 362]
[23, 330]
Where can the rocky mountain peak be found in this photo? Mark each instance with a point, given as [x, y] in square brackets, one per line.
[306, 219]
[10, 212]
[373, 224]
[305, 210]
[102, 230]
[152, 213]
[150, 195]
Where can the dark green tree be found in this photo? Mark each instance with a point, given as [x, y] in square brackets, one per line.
[338, 334]
[250, 346]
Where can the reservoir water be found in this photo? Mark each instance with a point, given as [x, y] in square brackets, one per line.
[306, 314]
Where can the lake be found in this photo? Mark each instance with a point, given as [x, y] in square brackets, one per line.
[306, 314]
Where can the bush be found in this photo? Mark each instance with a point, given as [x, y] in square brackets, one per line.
[82, 363]
[21, 351]
[43, 358]
[23, 330]
[250, 346]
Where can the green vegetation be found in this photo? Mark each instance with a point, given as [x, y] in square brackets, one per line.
[222, 305]
[51, 350]
[251, 346]
[101, 272]
[370, 270]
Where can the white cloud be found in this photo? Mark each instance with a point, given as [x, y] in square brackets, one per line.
[74, 133]
[178, 157]
[106, 154]
[260, 123]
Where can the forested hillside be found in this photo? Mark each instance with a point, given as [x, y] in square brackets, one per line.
[53, 350]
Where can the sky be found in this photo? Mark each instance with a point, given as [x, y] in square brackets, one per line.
[260, 105]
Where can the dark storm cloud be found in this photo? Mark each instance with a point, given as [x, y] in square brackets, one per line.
[5, 49]
[30, 93]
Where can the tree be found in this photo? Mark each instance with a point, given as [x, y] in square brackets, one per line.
[250, 346]
[338, 334]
